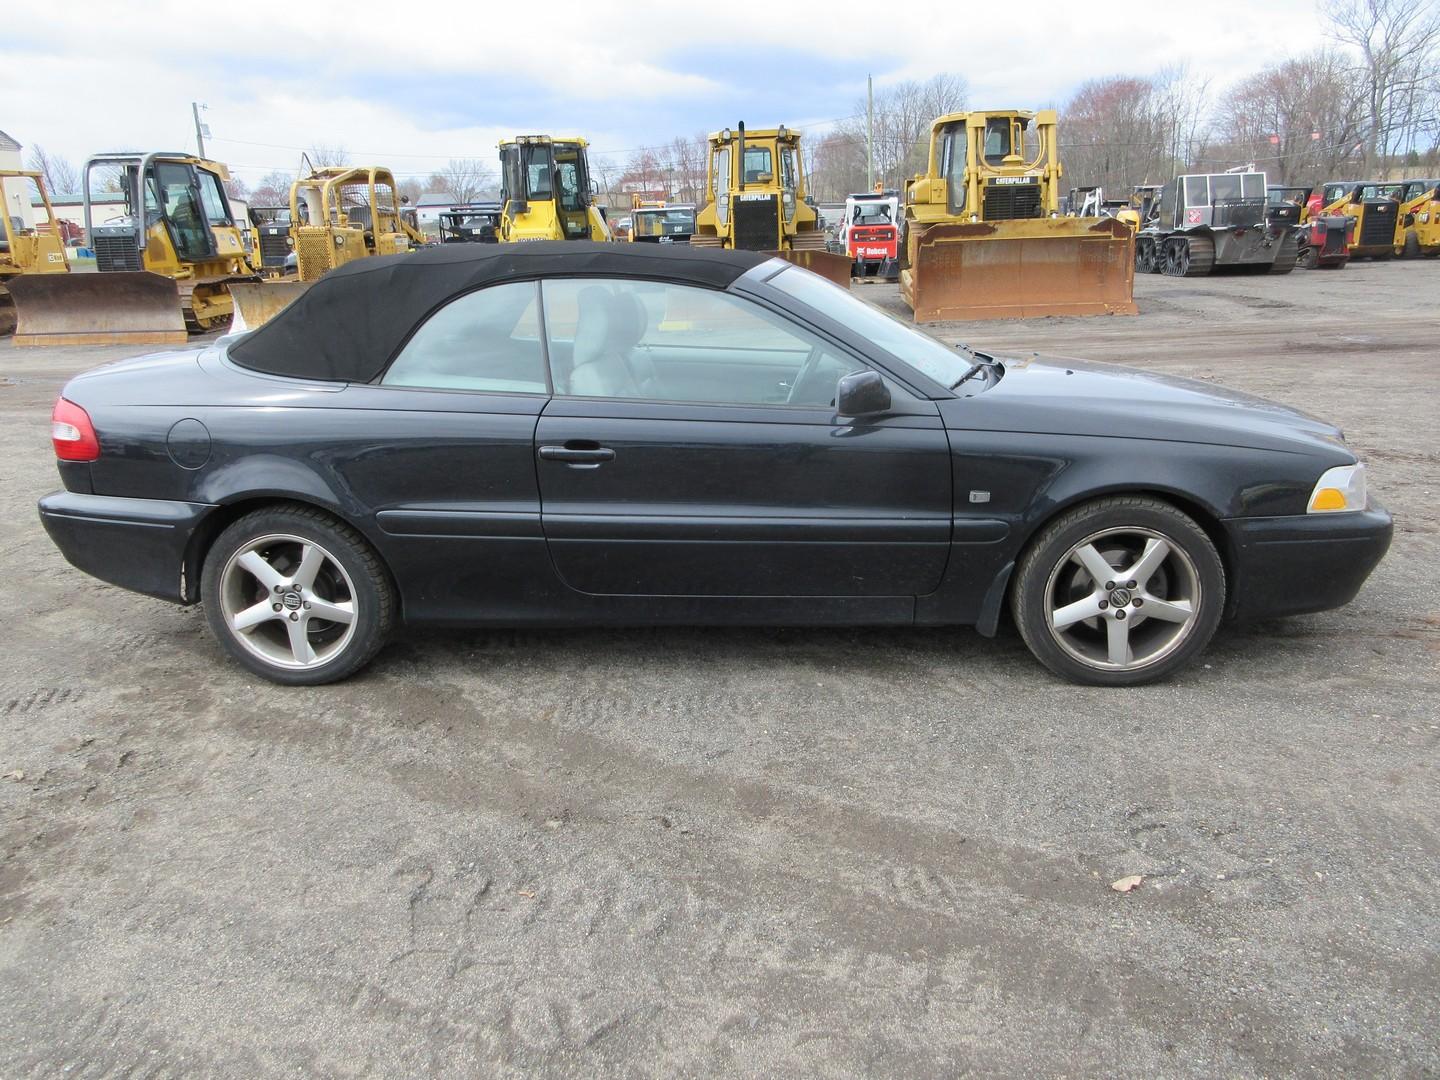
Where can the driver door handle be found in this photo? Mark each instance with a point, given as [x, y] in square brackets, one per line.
[587, 454]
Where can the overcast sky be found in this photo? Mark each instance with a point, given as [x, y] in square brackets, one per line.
[440, 80]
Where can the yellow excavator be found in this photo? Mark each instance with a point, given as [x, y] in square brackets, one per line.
[337, 215]
[757, 191]
[546, 192]
[26, 249]
[984, 235]
[164, 268]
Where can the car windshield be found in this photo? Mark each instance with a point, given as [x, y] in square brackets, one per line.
[921, 351]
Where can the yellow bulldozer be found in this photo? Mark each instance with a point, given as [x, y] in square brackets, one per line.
[26, 248]
[756, 191]
[164, 267]
[546, 192]
[984, 236]
[337, 215]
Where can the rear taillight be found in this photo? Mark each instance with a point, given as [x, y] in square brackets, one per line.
[72, 433]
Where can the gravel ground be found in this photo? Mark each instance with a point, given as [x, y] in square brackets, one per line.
[748, 852]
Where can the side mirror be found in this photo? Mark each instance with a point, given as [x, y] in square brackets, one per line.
[862, 393]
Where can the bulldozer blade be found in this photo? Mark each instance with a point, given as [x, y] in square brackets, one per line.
[825, 263]
[122, 308]
[1021, 269]
[257, 302]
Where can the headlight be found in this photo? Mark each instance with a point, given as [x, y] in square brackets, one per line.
[1338, 490]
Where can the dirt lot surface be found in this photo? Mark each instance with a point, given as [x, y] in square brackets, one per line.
[729, 852]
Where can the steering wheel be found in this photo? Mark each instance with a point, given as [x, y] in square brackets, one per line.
[807, 368]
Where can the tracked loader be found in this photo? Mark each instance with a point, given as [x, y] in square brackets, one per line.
[37, 248]
[164, 268]
[1212, 221]
[984, 236]
[756, 187]
[336, 215]
[546, 192]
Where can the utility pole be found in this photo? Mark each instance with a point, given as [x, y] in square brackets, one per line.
[869, 133]
[200, 131]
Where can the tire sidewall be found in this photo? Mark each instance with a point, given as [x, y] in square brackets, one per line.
[1030, 606]
[370, 629]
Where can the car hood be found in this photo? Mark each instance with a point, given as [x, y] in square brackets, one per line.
[1063, 396]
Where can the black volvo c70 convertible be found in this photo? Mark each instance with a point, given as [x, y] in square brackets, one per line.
[575, 434]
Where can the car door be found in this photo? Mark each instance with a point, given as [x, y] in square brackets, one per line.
[692, 448]
[442, 449]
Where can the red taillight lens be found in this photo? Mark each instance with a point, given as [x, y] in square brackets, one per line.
[72, 433]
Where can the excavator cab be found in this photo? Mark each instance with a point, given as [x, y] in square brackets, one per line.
[546, 191]
[164, 266]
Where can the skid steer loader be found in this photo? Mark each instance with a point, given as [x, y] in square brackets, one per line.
[336, 215]
[164, 268]
[1420, 220]
[37, 248]
[1374, 207]
[757, 190]
[984, 238]
[546, 192]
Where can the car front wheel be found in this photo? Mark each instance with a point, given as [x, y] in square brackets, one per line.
[296, 596]
[1118, 592]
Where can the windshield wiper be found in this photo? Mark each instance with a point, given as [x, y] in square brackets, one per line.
[982, 361]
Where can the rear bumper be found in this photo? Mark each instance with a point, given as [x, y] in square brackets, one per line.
[138, 544]
[1297, 564]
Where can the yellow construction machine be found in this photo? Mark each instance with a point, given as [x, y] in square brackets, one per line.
[26, 247]
[984, 236]
[658, 222]
[546, 192]
[1420, 219]
[337, 215]
[1374, 206]
[756, 189]
[164, 267]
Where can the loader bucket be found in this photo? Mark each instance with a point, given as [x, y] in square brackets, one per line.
[1021, 269]
[825, 263]
[257, 302]
[121, 308]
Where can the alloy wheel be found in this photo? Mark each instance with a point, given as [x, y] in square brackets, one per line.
[288, 601]
[1122, 599]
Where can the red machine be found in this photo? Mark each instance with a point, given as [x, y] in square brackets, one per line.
[872, 235]
[1324, 238]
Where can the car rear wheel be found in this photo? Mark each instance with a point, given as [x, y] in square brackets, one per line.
[1121, 591]
[297, 597]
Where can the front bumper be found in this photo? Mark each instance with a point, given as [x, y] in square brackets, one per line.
[1297, 564]
[138, 544]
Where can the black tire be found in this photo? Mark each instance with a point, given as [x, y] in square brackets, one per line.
[355, 576]
[1048, 576]
[1308, 259]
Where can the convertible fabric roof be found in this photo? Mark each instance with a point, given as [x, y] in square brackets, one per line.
[351, 322]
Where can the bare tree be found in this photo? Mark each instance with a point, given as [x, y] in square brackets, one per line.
[273, 189]
[237, 189]
[1300, 120]
[465, 178]
[61, 177]
[903, 115]
[1397, 42]
[324, 155]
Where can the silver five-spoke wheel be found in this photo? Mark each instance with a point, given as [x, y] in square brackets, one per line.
[1119, 591]
[1123, 598]
[289, 601]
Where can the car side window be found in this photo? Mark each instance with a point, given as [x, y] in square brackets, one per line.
[487, 340]
[676, 343]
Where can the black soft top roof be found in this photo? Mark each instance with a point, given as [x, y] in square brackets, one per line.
[351, 322]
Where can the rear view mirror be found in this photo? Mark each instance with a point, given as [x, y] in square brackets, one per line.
[862, 393]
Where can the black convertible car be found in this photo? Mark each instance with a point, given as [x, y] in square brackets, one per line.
[567, 433]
